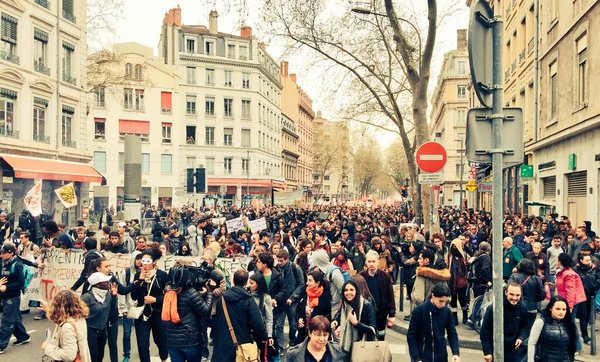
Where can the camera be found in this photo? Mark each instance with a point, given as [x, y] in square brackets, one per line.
[182, 276]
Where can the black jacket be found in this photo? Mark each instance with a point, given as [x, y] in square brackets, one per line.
[516, 326]
[139, 289]
[367, 322]
[533, 290]
[15, 279]
[323, 308]
[245, 319]
[387, 305]
[88, 257]
[191, 307]
[590, 277]
[426, 333]
[293, 280]
[483, 269]
[277, 289]
[298, 353]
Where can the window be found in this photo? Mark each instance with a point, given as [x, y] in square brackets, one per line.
[582, 66]
[227, 136]
[40, 51]
[67, 63]
[243, 52]
[245, 138]
[166, 102]
[67, 126]
[227, 161]
[231, 51]
[100, 97]
[210, 135]
[245, 109]
[166, 132]
[190, 45]
[190, 161]
[210, 76]
[67, 8]
[209, 47]
[210, 165]
[458, 169]
[100, 160]
[326, 178]
[166, 163]
[228, 78]
[139, 99]
[190, 104]
[145, 163]
[121, 162]
[128, 98]
[8, 50]
[461, 117]
[190, 75]
[190, 135]
[138, 71]
[7, 112]
[128, 71]
[227, 107]
[43, 3]
[461, 91]
[461, 67]
[99, 128]
[553, 89]
[246, 80]
[209, 106]
[245, 166]
[39, 119]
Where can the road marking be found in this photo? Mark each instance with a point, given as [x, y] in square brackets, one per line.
[431, 157]
[13, 339]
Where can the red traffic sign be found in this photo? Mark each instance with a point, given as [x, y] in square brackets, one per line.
[431, 157]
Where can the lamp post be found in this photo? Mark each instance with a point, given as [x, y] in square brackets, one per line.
[248, 177]
[462, 151]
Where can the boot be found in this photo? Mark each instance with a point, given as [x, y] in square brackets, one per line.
[465, 318]
[455, 317]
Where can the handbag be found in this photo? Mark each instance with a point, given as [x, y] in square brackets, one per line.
[136, 312]
[370, 351]
[246, 352]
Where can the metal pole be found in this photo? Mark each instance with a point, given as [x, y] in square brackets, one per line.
[430, 211]
[419, 206]
[592, 313]
[248, 178]
[497, 209]
[402, 288]
[462, 170]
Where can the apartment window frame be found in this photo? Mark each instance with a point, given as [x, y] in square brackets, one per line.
[245, 166]
[246, 108]
[210, 77]
[553, 90]
[461, 67]
[100, 161]
[67, 126]
[40, 113]
[245, 80]
[210, 165]
[461, 117]
[40, 51]
[145, 163]
[99, 129]
[128, 98]
[191, 101]
[68, 10]
[228, 75]
[210, 47]
[209, 106]
[231, 53]
[582, 72]
[139, 99]
[9, 38]
[227, 165]
[461, 91]
[138, 72]
[243, 52]
[246, 137]
[190, 45]
[166, 130]
[166, 163]
[228, 107]
[190, 75]
[209, 135]
[100, 97]
[68, 62]
[7, 115]
[228, 136]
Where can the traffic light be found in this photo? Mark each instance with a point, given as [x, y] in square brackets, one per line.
[190, 181]
[200, 180]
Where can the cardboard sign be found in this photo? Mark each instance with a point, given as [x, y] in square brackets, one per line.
[258, 224]
[234, 225]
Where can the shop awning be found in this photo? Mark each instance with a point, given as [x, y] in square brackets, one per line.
[45, 169]
[130, 126]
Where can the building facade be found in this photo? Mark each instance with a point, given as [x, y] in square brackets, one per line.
[43, 134]
[232, 88]
[450, 103]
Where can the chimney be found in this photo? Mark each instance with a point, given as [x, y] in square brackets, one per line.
[246, 31]
[173, 17]
[284, 69]
[262, 45]
[293, 77]
[461, 39]
[213, 22]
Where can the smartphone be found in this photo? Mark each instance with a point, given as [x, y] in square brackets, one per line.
[34, 304]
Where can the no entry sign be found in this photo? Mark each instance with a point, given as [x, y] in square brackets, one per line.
[431, 157]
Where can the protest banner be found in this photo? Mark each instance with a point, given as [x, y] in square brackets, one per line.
[63, 268]
[234, 225]
[258, 224]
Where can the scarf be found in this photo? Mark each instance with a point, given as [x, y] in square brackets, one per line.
[349, 333]
[169, 310]
[313, 295]
[99, 294]
[149, 275]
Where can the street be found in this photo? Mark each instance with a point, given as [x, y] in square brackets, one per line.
[32, 352]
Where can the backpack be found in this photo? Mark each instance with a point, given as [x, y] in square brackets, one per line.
[27, 275]
[345, 273]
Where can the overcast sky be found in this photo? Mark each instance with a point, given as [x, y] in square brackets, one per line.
[142, 20]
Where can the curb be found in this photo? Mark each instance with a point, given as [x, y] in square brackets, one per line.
[462, 342]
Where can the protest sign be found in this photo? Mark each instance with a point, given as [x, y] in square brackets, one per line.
[234, 225]
[258, 224]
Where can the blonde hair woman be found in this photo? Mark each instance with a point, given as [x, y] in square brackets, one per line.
[69, 339]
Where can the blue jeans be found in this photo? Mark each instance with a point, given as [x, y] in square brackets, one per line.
[127, 325]
[577, 335]
[279, 316]
[11, 323]
[183, 354]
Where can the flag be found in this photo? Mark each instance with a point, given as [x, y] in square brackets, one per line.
[33, 199]
[66, 195]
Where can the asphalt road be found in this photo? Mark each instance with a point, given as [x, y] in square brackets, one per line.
[32, 352]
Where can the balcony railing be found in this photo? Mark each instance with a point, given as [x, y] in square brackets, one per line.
[11, 57]
[522, 56]
[99, 136]
[43, 3]
[41, 67]
[530, 46]
[67, 15]
[9, 133]
[69, 143]
[41, 138]
[165, 110]
[69, 79]
[507, 73]
[513, 66]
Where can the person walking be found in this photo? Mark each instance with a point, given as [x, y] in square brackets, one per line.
[98, 298]
[314, 300]
[380, 286]
[532, 288]
[68, 312]
[317, 346]
[294, 284]
[456, 259]
[258, 290]
[430, 322]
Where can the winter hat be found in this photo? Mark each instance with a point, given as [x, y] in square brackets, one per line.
[98, 277]
[320, 259]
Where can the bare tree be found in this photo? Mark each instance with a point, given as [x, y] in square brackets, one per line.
[368, 165]
[396, 166]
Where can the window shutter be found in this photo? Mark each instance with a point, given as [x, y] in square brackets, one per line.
[68, 46]
[577, 184]
[40, 35]
[9, 28]
[68, 109]
[165, 100]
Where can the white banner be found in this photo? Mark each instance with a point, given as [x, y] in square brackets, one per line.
[66, 195]
[258, 224]
[234, 225]
[33, 199]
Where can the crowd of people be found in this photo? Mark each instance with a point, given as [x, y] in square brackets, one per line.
[329, 272]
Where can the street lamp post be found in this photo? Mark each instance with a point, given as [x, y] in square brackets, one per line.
[248, 177]
[462, 151]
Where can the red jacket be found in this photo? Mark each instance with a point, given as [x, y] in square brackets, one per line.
[570, 287]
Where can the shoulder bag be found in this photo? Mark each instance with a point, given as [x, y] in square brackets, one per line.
[370, 351]
[136, 312]
[247, 352]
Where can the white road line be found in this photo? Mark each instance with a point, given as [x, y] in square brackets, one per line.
[431, 157]
[12, 339]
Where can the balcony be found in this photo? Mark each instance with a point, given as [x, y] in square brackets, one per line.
[513, 67]
[69, 79]
[530, 46]
[165, 110]
[41, 67]
[507, 73]
[99, 136]
[166, 140]
[69, 143]
[5, 132]
[9, 56]
[67, 15]
[43, 3]
[41, 138]
[522, 56]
